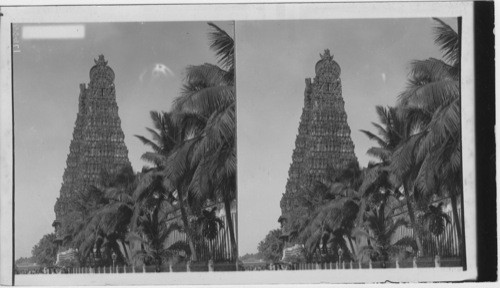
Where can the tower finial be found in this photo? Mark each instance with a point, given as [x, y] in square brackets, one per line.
[101, 61]
[326, 55]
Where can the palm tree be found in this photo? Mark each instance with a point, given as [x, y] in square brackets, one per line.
[152, 231]
[435, 219]
[167, 182]
[332, 209]
[379, 178]
[208, 225]
[430, 159]
[207, 110]
[380, 222]
[108, 222]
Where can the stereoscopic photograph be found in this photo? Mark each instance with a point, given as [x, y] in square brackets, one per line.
[348, 157]
[358, 152]
[125, 148]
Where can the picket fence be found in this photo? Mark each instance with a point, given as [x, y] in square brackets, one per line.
[446, 245]
[118, 269]
[435, 262]
[218, 249]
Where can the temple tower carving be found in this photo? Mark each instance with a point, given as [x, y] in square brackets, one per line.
[98, 140]
[323, 143]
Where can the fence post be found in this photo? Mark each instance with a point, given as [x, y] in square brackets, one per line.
[111, 269]
[397, 264]
[143, 268]
[437, 261]
[415, 262]
[124, 268]
[117, 269]
[317, 266]
[343, 264]
[351, 265]
[133, 268]
[188, 266]
[370, 264]
[359, 264]
[210, 265]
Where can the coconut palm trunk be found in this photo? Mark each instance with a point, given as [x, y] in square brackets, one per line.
[234, 247]
[457, 221]
[411, 214]
[352, 247]
[187, 227]
[125, 253]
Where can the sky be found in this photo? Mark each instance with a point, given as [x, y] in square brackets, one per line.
[272, 60]
[47, 74]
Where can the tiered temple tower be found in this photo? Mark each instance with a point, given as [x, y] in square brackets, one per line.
[97, 143]
[324, 141]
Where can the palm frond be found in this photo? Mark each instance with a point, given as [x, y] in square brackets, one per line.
[223, 44]
[431, 95]
[380, 153]
[372, 136]
[206, 101]
[448, 41]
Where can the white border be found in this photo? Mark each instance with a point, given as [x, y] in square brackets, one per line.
[214, 12]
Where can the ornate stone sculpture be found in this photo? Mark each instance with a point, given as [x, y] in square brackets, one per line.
[98, 140]
[324, 139]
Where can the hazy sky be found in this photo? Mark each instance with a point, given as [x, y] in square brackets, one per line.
[272, 60]
[47, 74]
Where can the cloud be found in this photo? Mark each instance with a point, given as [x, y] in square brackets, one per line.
[155, 72]
[162, 69]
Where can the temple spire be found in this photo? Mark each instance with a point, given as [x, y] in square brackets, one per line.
[323, 145]
[98, 140]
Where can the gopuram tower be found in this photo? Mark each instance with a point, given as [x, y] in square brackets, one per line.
[323, 143]
[97, 142]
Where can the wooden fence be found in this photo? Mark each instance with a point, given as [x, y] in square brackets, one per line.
[218, 249]
[445, 245]
[436, 262]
